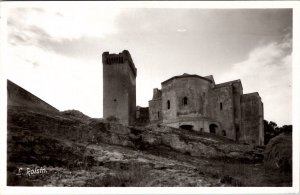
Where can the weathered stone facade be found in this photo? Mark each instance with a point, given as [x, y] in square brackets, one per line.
[197, 103]
[119, 87]
[187, 101]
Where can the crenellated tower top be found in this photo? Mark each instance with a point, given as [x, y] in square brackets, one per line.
[121, 58]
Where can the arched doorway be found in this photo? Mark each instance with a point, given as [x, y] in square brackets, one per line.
[213, 128]
[186, 127]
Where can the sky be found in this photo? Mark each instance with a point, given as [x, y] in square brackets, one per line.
[55, 51]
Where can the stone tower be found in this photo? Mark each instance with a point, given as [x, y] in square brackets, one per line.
[119, 87]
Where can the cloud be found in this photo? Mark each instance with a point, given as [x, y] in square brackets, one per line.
[63, 31]
[66, 21]
[181, 30]
[22, 33]
[87, 47]
[35, 64]
[268, 70]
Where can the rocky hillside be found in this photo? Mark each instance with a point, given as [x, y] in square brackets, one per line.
[76, 150]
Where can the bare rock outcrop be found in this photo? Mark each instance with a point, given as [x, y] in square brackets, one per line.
[88, 130]
[83, 151]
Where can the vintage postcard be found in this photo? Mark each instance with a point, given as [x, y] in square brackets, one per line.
[117, 97]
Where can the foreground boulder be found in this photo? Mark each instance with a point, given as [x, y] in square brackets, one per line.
[278, 153]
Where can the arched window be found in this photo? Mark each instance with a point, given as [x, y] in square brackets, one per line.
[185, 101]
[221, 106]
[168, 104]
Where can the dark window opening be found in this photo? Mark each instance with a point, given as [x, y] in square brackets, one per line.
[224, 133]
[187, 127]
[158, 115]
[115, 100]
[201, 130]
[221, 106]
[237, 134]
[185, 101]
[168, 104]
[213, 128]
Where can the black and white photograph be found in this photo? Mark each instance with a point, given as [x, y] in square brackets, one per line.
[114, 95]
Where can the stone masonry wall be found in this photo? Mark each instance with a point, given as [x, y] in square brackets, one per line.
[221, 104]
[193, 89]
[155, 107]
[252, 119]
[237, 93]
[119, 88]
[155, 111]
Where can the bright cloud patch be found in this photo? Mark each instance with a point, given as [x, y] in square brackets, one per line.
[80, 20]
[268, 70]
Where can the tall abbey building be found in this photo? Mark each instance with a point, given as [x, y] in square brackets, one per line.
[187, 101]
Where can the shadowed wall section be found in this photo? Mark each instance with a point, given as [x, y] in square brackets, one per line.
[19, 97]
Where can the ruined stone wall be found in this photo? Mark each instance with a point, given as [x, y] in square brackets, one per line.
[155, 107]
[252, 119]
[222, 109]
[119, 87]
[17, 96]
[142, 116]
[155, 111]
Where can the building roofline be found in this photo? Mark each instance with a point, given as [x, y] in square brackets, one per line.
[185, 76]
[228, 83]
[252, 94]
[156, 99]
[126, 56]
[210, 77]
